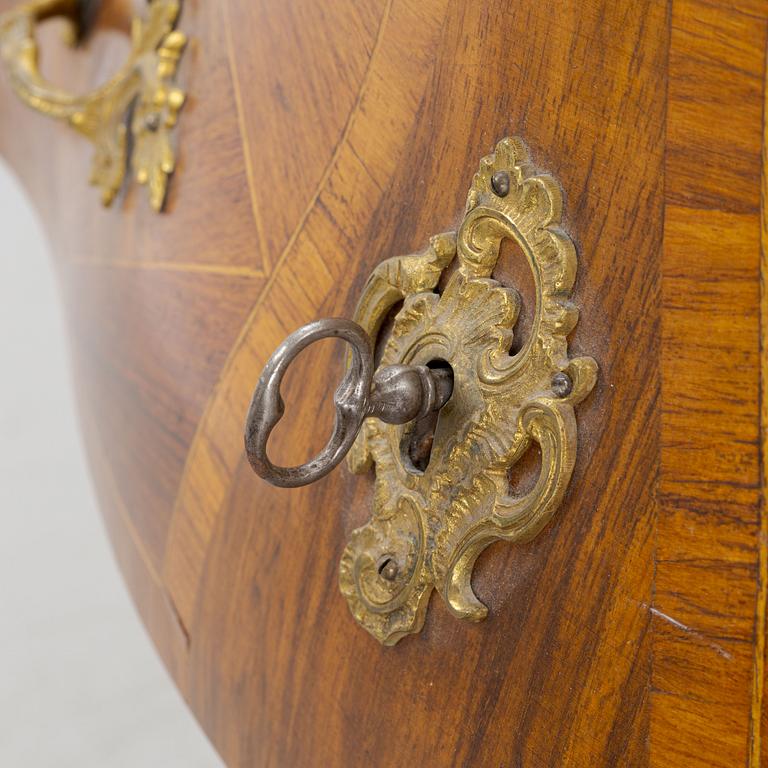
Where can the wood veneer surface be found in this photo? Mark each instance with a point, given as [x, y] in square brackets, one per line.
[320, 138]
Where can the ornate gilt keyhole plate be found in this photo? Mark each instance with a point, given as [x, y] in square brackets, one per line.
[428, 527]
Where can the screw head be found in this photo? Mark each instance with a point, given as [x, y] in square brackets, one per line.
[500, 183]
[388, 570]
[152, 121]
[562, 385]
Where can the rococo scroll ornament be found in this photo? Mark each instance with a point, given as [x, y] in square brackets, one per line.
[436, 510]
[133, 113]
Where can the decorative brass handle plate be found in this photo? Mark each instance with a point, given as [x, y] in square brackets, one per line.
[137, 109]
[430, 523]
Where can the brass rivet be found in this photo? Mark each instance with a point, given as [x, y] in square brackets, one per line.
[562, 385]
[500, 183]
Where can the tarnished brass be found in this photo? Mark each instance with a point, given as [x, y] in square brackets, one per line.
[135, 111]
[428, 527]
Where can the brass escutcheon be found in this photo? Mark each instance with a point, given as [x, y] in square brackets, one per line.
[429, 523]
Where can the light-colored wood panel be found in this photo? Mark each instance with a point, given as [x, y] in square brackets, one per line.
[759, 724]
[705, 593]
[294, 92]
[715, 107]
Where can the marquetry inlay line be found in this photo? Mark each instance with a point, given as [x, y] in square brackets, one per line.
[247, 155]
[758, 672]
[106, 474]
[135, 559]
[230, 365]
[215, 269]
[211, 455]
[171, 266]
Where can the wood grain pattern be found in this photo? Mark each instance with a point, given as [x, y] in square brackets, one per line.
[319, 139]
[759, 720]
[610, 660]
[707, 534]
[710, 486]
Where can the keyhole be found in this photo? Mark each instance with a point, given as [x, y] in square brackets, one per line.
[418, 437]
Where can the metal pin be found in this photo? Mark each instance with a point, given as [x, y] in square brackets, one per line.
[500, 183]
[152, 121]
[562, 385]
